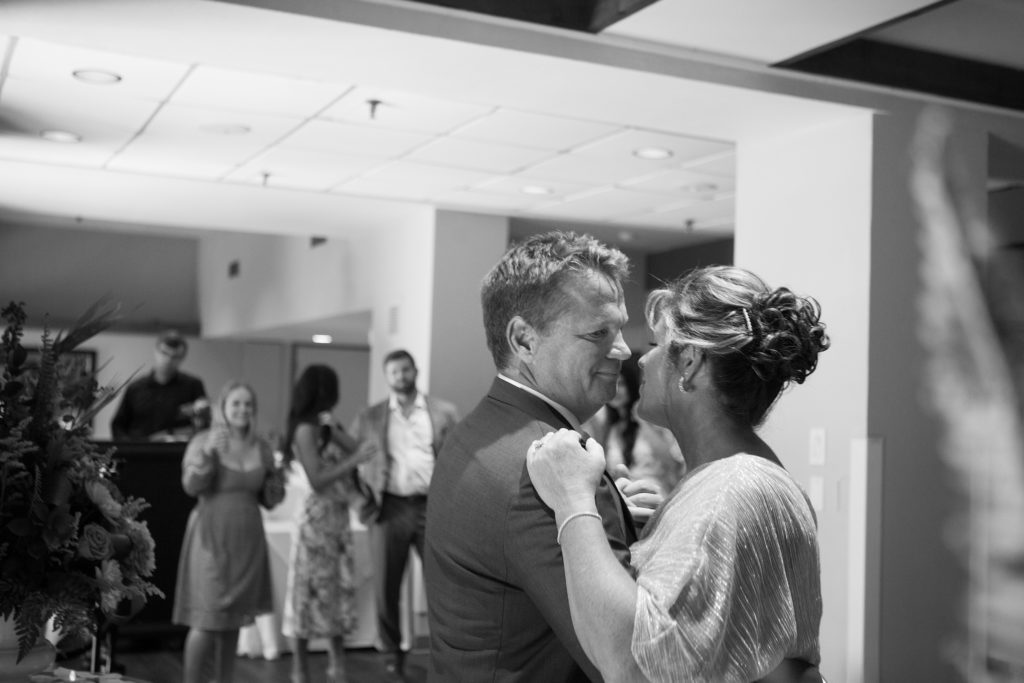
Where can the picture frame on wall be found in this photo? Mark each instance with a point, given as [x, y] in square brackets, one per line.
[78, 368]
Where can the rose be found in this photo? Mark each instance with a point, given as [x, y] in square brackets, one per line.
[95, 543]
[142, 558]
[99, 494]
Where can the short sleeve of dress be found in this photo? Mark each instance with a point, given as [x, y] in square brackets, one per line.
[728, 580]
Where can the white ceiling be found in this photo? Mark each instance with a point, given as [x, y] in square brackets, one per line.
[228, 116]
[223, 111]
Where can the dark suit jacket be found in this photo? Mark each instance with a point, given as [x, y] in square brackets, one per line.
[372, 423]
[495, 585]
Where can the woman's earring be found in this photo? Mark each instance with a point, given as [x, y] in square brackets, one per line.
[683, 386]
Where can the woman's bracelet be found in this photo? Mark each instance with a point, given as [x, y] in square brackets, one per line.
[575, 515]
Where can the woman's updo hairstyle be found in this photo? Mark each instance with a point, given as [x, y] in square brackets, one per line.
[757, 340]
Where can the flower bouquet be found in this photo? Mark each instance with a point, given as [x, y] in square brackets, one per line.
[72, 547]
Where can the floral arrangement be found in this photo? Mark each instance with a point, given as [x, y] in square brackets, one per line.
[72, 547]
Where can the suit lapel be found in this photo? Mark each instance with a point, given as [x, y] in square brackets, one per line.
[543, 411]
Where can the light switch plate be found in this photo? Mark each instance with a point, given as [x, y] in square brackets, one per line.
[816, 447]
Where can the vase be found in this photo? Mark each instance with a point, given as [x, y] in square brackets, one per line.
[40, 657]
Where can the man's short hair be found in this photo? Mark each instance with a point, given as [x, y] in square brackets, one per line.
[528, 280]
[172, 339]
[398, 354]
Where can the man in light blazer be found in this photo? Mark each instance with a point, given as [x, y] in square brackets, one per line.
[408, 429]
[496, 598]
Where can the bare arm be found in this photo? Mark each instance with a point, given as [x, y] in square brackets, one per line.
[602, 594]
[321, 474]
[199, 465]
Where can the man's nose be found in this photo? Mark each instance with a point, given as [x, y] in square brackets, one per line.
[619, 350]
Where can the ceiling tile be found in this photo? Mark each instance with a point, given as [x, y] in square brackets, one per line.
[345, 138]
[53, 64]
[683, 183]
[481, 201]
[718, 164]
[718, 213]
[623, 144]
[604, 204]
[199, 129]
[402, 111]
[302, 169]
[513, 185]
[411, 180]
[511, 127]
[245, 91]
[27, 108]
[592, 170]
[484, 156]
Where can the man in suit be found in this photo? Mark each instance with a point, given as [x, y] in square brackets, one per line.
[496, 598]
[407, 429]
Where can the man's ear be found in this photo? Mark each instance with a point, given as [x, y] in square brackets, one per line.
[522, 338]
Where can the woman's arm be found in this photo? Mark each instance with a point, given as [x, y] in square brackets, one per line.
[602, 594]
[199, 464]
[319, 473]
[602, 598]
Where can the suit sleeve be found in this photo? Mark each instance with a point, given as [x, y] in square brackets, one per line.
[534, 559]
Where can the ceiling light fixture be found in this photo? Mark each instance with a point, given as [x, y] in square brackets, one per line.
[322, 339]
[97, 76]
[226, 128]
[652, 153]
[536, 189]
[61, 136]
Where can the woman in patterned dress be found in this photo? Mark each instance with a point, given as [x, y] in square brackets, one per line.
[223, 578]
[727, 581]
[321, 590]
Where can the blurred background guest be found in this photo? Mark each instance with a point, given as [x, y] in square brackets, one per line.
[647, 451]
[223, 572]
[321, 582]
[166, 404]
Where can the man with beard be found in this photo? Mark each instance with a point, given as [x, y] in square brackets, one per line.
[408, 428]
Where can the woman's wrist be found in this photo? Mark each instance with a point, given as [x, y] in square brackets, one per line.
[563, 512]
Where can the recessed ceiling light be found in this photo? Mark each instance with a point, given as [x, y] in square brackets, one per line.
[97, 76]
[226, 128]
[652, 153]
[322, 339]
[60, 136]
[536, 189]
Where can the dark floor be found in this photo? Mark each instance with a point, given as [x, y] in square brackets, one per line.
[160, 662]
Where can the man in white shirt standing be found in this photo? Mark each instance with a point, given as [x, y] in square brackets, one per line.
[409, 428]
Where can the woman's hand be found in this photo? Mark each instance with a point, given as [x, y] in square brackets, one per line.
[564, 473]
[643, 496]
[218, 441]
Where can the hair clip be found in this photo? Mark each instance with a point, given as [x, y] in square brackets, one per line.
[746, 317]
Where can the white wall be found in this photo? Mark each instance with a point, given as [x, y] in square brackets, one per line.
[393, 276]
[467, 247]
[281, 281]
[804, 221]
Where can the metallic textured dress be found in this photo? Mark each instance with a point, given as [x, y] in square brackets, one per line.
[728, 576]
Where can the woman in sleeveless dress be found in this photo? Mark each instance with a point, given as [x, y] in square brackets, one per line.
[223, 572]
[321, 587]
